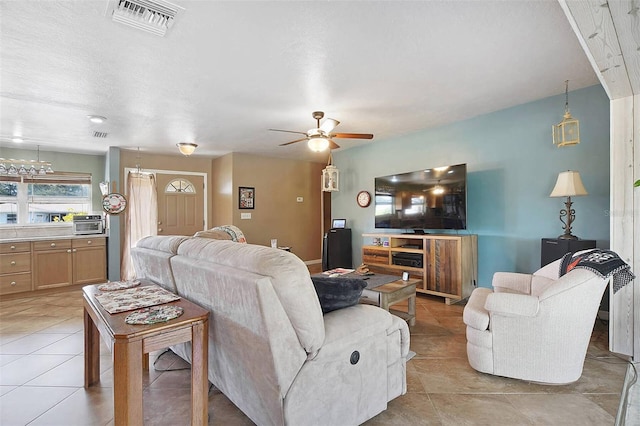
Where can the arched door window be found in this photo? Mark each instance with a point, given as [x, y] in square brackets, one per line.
[180, 185]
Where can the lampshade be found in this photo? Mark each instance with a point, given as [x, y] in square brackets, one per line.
[569, 184]
[318, 143]
[186, 148]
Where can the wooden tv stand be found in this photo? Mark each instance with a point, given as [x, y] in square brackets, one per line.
[447, 264]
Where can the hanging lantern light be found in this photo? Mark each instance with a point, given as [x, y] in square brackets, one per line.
[330, 177]
[567, 132]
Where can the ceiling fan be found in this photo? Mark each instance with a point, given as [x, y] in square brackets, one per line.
[321, 137]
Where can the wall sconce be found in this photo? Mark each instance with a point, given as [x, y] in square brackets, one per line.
[186, 148]
[569, 184]
[330, 177]
[567, 132]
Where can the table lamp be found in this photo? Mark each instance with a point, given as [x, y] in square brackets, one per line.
[569, 184]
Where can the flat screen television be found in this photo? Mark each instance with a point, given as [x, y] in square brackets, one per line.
[433, 198]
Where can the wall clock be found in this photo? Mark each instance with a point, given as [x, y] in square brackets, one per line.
[114, 203]
[363, 199]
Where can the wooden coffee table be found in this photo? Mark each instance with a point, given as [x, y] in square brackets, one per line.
[395, 292]
[130, 346]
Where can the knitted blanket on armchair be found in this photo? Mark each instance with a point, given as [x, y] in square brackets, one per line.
[605, 263]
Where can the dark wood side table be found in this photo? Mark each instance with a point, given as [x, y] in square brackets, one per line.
[131, 344]
[554, 248]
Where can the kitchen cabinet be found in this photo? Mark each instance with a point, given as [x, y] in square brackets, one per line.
[15, 267]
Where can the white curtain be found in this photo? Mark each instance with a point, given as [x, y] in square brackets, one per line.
[141, 216]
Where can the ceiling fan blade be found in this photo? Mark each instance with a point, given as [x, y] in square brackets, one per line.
[352, 135]
[287, 131]
[333, 145]
[328, 125]
[289, 143]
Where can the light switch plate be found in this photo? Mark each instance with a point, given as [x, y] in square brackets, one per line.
[245, 215]
[299, 199]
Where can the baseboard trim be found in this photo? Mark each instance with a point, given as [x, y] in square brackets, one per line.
[312, 262]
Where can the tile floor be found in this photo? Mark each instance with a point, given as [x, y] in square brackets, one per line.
[41, 377]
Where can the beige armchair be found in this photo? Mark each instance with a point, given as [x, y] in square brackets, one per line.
[533, 326]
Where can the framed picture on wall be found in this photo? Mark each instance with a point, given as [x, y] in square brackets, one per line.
[247, 197]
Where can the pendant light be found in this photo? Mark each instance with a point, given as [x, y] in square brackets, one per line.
[330, 177]
[567, 132]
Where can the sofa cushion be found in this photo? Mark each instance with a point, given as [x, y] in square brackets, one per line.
[287, 273]
[166, 243]
[337, 293]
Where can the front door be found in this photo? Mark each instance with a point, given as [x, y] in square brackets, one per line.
[180, 204]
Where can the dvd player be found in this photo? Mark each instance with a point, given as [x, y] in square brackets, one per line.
[413, 260]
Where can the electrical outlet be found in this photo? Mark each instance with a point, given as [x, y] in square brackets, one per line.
[299, 199]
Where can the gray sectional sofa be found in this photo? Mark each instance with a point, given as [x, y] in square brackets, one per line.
[271, 350]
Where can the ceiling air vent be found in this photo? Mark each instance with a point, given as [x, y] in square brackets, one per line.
[100, 134]
[154, 16]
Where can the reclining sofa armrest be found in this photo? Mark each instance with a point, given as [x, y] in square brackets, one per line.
[475, 315]
[360, 320]
[511, 304]
[511, 282]
[400, 325]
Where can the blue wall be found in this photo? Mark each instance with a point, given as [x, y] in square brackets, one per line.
[512, 167]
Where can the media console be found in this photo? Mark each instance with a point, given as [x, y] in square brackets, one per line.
[447, 264]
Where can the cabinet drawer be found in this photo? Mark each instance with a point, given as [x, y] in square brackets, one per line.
[15, 247]
[375, 256]
[51, 245]
[88, 242]
[13, 263]
[15, 283]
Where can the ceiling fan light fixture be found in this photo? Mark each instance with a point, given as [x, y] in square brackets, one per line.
[186, 148]
[318, 143]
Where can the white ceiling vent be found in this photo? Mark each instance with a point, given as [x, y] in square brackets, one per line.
[154, 16]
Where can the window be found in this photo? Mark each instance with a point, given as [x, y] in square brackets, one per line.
[44, 199]
[8, 202]
[180, 185]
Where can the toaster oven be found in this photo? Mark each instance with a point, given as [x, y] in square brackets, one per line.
[88, 224]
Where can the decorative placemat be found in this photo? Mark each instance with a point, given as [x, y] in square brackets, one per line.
[118, 285]
[134, 298]
[154, 314]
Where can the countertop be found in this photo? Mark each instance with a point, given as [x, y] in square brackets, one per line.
[51, 237]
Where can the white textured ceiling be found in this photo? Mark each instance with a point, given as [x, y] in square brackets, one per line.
[229, 70]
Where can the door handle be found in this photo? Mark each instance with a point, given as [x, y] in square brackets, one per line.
[159, 229]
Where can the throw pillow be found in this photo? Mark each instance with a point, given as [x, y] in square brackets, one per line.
[337, 293]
